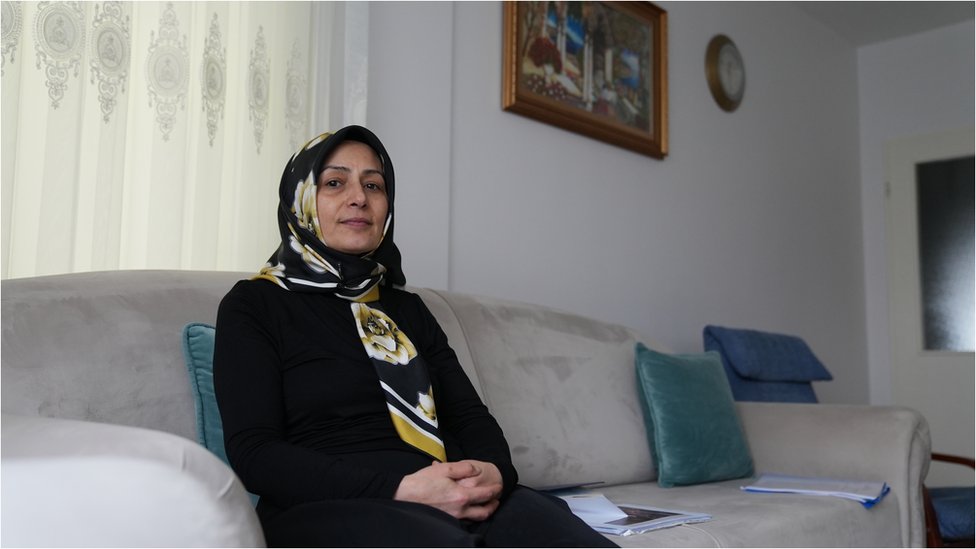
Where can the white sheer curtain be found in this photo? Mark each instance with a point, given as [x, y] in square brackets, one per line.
[153, 134]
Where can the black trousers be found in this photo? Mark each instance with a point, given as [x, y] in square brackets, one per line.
[526, 518]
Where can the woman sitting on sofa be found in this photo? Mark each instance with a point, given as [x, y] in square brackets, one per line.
[343, 406]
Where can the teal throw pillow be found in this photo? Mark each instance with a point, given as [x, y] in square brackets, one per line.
[692, 425]
[198, 349]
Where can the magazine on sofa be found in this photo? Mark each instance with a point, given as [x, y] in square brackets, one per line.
[627, 519]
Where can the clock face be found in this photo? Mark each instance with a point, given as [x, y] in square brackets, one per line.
[731, 72]
[726, 72]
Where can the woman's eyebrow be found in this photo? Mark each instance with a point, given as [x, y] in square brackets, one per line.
[367, 171]
[340, 168]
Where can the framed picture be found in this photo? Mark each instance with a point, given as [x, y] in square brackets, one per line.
[595, 68]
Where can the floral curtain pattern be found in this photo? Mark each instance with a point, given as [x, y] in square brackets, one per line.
[213, 77]
[152, 134]
[110, 54]
[59, 42]
[168, 70]
[11, 21]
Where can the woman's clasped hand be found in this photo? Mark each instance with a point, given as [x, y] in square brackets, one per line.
[467, 489]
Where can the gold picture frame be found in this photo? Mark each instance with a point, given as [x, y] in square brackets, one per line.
[595, 68]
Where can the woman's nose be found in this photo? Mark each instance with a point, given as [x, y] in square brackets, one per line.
[356, 195]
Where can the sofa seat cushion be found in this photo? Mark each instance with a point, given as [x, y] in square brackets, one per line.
[741, 519]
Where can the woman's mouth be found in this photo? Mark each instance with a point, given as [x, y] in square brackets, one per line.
[356, 222]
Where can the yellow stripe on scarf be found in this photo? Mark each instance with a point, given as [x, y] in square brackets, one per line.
[372, 295]
[418, 439]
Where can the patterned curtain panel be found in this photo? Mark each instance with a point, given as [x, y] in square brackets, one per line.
[153, 134]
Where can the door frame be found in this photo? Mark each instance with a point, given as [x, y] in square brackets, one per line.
[939, 384]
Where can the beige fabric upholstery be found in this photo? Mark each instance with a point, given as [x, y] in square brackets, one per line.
[563, 389]
[69, 483]
[104, 348]
[875, 443]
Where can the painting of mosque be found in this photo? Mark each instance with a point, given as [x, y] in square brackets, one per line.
[595, 62]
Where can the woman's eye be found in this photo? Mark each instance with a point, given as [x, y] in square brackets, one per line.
[374, 186]
[332, 183]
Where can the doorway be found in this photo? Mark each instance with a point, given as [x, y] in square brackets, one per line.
[930, 234]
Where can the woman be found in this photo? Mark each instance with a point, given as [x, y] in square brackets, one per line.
[343, 406]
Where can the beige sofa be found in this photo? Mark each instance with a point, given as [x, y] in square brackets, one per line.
[99, 433]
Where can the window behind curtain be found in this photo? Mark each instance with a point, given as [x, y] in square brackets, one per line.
[153, 134]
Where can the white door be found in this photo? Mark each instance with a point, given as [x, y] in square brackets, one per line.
[931, 330]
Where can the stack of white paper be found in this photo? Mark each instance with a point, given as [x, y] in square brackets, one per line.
[604, 516]
[868, 493]
[593, 508]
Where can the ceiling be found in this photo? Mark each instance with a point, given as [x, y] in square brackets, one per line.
[862, 23]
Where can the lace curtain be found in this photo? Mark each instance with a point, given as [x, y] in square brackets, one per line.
[153, 134]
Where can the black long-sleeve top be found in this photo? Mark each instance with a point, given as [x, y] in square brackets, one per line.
[303, 413]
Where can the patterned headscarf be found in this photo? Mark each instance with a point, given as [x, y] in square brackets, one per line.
[303, 262]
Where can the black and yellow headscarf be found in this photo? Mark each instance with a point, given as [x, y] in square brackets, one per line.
[304, 263]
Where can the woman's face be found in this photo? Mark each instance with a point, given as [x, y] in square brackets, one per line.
[351, 199]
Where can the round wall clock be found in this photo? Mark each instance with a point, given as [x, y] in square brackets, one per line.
[725, 71]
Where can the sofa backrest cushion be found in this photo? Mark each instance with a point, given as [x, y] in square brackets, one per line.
[449, 322]
[562, 387]
[105, 346]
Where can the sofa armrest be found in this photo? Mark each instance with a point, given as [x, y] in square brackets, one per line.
[68, 483]
[876, 443]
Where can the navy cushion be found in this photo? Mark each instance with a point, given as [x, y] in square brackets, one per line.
[954, 510]
[765, 366]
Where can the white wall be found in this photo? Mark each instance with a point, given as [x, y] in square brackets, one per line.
[923, 84]
[753, 220]
[409, 108]
[916, 85]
